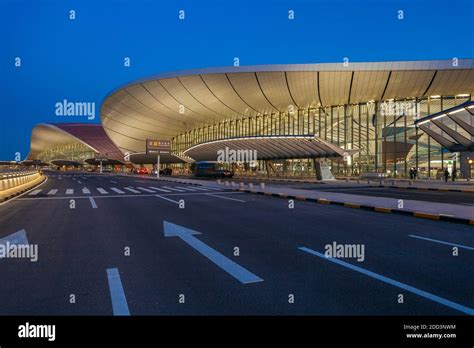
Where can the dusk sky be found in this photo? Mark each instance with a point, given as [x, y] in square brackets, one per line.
[82, 59]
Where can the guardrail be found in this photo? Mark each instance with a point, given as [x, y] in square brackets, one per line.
[13, 179]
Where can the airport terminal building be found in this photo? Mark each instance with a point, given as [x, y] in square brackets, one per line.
[356, 118]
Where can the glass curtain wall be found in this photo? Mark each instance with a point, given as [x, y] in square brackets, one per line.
[382, 132]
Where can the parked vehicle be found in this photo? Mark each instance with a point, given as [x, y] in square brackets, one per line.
[142, 170]
[165, 171]
[212, 170]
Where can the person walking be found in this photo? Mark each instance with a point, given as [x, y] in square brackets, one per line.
[453, 175]
[446, 175]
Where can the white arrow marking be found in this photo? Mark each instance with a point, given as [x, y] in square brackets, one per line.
[17, 238]
[187, 235]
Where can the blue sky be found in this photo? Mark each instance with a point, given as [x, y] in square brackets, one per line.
[82, 59]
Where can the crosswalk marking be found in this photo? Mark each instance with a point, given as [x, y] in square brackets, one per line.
[79, 182]
[146, 190]
[201, 188]
[173, 189]
[34, 193]
[116, 190]
[52, 192]
[159, 189]
[69, 191]
[113, 182]
[132, 190]
[213, 188]
[86, 191]
[102, 191]
[187, 188]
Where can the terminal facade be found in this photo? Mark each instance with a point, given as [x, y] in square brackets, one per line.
[355, 118]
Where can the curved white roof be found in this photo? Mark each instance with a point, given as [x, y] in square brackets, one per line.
[168, 104]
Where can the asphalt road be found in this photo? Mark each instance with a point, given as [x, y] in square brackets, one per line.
[77, 246]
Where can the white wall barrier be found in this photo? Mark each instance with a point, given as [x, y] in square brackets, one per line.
[14, 179]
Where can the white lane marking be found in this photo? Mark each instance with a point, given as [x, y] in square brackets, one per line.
[79, 182]
[173, 189]
[94, 205]
[213, 188]
[145, 189]
[86, 191]
[69, 191]
[159, 189]
[441, 242]
[116, 190]
[393, 282]
[187, 188]
[102, 191]
[52, 192]
[167, 199]
[201, 188]
[131, 190]
[230, 199]
[113, 182]
[34, 193]
[117, 295]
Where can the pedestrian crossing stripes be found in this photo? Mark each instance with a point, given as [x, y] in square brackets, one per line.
[160, 189]
[132, 190]
[187, 188]
[173, 189]
[34, 193]
[122, 190]
[146, 190]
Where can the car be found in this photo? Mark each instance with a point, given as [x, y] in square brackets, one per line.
[212, 169]
[140, 171]
[165, 171]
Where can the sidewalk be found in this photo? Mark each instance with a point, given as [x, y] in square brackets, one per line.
[430, 185]
[429, 210]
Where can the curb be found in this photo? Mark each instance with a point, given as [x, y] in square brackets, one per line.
[434, 217]
[383, 186]
[425, 188]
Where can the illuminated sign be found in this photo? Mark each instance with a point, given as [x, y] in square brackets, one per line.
[158, 147]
